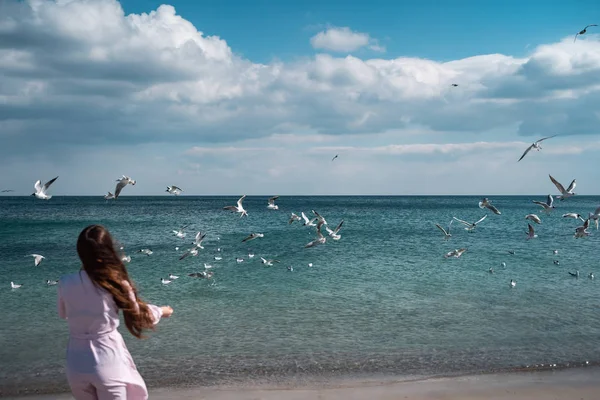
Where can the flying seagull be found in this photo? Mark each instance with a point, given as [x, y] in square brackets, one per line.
[548, 205]
[37, 258]
[268, 263]
[336, 156]
[272, 205]
[535, 145]
[253, 236]
[40, 191]
[446, 233]
[109, 196]
[583, 31]
[574, 216]
[293, 218]
[334, 233]
[238, 208]
[308, 222]
[582, 231]
[51, 282]
[456, 253]
[470, 226]
[7, 191]
[531, 232]
[122, 182]
[198, 240]
[564, 194]
[174, 190]
[534, 218]
[320, 238]
[486, 203]
[455, 84]
[595, 216]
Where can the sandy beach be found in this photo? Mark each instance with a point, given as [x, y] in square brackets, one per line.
[569, 384]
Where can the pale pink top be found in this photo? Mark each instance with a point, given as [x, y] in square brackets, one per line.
[93, 318]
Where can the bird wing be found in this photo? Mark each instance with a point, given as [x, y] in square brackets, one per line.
[549, 137]
[38, 186]
[187, 253]
[493, 209]
[462, 222]
[251, 236]
[230, 208]
[292, 218]
[441, 229]
[550, 200]
[119, 187]
[482, 218]
[597, 212]
[539, 203]
[239, 202]
[319, 234]
[531, 231]
[272, 199]
[50, 182]
[558, 185]
[590, 25]
[305, 218]
[571, 186]
[525, 153]
[337, 228]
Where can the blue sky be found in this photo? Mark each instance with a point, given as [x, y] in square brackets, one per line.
[255, 97]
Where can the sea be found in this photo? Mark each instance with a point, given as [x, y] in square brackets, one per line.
[381, 301]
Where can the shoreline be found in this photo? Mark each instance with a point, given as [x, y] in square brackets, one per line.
[531, 384]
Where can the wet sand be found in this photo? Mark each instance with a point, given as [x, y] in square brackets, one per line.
[569, 384]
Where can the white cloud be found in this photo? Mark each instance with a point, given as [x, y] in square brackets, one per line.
[81, 77]
[343, 40]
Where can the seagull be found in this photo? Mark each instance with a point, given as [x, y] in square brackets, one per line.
[556, 262]
[250, 255]
[456, 253]
[253, 236]
[202, 274]
[455, 84]
[126, 259]
[591, 275]
[207, 266]
[319, 217]
[574, 274]
[554, 252]
[37, 258]
[268, 263]
[310, 265]
[513, 283]
[293, 218]
[595, 216]
[583, 31]
[534, 218]
[145, 251]
[218, 258]
[535, 145]
[40, 191]
[334, 233]
[238, 208]
[165, 281]
[565, 194]
[308, 222]
[198, 240]
[470, 226]
[531, 233]
[180, 233]
[7, 191]
[51, 282]
[486, 203]
[548, 205]
[336, 156]
[503, 264]
[491, 270]
[109, 196]
[173, 277]
[447, 234]
[320, 238]
[15, 285]
[290, 268]
[511, 252]
[272, 205]
[174, 190]
[573, 215]
[122, 182]
[191, 252]
[582, 230]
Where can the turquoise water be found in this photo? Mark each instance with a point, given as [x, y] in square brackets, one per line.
[382, 300]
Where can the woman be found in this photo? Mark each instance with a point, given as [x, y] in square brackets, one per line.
[99, 365]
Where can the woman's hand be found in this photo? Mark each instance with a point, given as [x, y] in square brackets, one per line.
[166, 311]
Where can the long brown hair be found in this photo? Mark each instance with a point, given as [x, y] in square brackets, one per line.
[104, 267]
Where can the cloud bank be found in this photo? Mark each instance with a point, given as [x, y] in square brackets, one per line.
[81, 80]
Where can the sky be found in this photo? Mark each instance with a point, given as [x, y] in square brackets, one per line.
[256, 97]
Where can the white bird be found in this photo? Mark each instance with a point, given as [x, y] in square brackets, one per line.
[308, 222]
[310, 264]
[290, 268]
[293, 218]
[272, 205]
[491, 270]
[51, 282]
[180, 233]
[250, 255]
[268, 263]
[446, 233]
[334, 233]
[548, 205]
[531, 232]
[513, 283]
[191, 252]
[145, 251]
[582, 231]
[456, 253]
[109, 196]
[534, 218]
[319, 217]
[40, 191]
[252, 236]
[554, 252]
[556, 262]
[238, 208]
[37, 258]
[591, 275]
[503, 264]
[564, 194]
[198, 240]
[173, 277]
[121, 183]
[207, 266]
[165, 281]
[174, 190]
[573, 215]
[535, 145]
[15, 285]
[125, 258]
[485, 203]
[320, 238]
[595, 216]
[470, 226]
[239, 260]
[218, 258]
